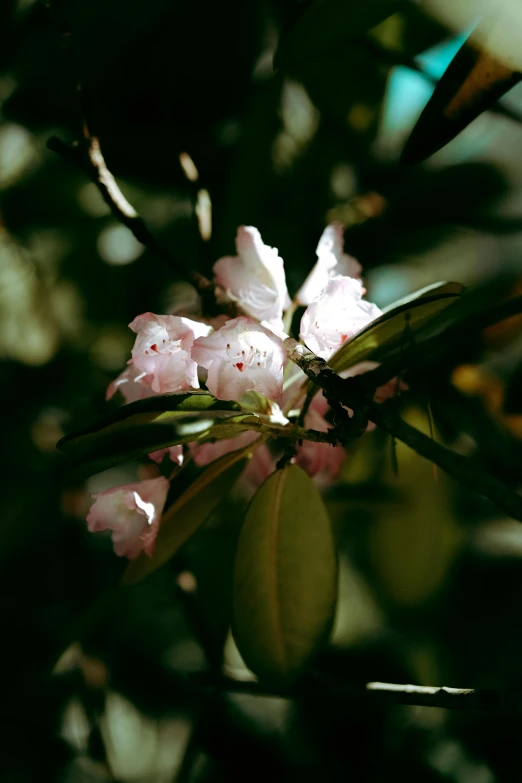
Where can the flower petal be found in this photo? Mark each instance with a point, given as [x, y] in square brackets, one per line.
[336, 316]
[132, 513]
[255, 278]
[162, 350]
[242, 356]
[332, 262]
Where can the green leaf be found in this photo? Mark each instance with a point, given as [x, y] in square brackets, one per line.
[152, 424]
[285, 581]
[153, 409]
[326, 23]
[189, 512]
[396, 326]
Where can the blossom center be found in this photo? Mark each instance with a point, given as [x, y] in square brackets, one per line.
[165, 348]
[249, 349]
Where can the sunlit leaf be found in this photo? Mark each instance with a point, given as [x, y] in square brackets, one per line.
[397, 326]
[152, 424]
[479, 74]
[327, 23]
[285, 582]
[189, 512]
[149, 410]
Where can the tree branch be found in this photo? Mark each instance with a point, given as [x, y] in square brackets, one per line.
[507, 701]
[348, 393]
[428, 696]
[87, 155]
[292, 431]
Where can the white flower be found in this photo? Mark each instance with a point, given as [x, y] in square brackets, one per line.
[332, 261]
[255, 278]
[240, 357]
[336, 315]
[132, 383]
[132, 512]
[162, 351]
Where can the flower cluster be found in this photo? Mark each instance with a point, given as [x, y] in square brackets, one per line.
[240, 355]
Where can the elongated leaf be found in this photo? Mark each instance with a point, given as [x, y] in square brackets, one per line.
[189, 512]
[162, 408]
[324, 24]
[285, 581]
[396, 326]
[414, 540]
[484, 68]
[152, 424]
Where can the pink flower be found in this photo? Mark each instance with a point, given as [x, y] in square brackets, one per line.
[332, 262]
[317, 458]
[336, 315]
[162, 351]
[132, 512]
[260, 465]
[132, 383]
[204, 453]
[175, 453]
[242, 356]
[255, 278]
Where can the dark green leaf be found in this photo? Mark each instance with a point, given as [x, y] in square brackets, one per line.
[285, 582]
[189, 512]
[397, 326]
[153, 409]
[152, 424]
[327, 23]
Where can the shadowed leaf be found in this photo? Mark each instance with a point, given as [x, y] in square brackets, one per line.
[327, 23]
[152, 424]
[396, 326]
[285, 581]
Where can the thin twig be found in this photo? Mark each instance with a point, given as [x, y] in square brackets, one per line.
[347, 392]
[428, 696]
[291, 431]
[87, 155]
[508, 701]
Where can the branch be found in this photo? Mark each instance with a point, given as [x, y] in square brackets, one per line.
[428, 696]
[292, 431]
[348, 393]
[491, 700]
[88, 156]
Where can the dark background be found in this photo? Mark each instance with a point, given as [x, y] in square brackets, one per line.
[431, 575]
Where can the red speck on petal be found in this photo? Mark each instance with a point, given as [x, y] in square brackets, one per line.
[344, 337]
[154, 347]
[240, 366]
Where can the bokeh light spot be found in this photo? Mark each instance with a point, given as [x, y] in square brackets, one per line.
[117, 246]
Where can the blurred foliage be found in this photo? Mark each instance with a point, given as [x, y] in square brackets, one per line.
[430, 574]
